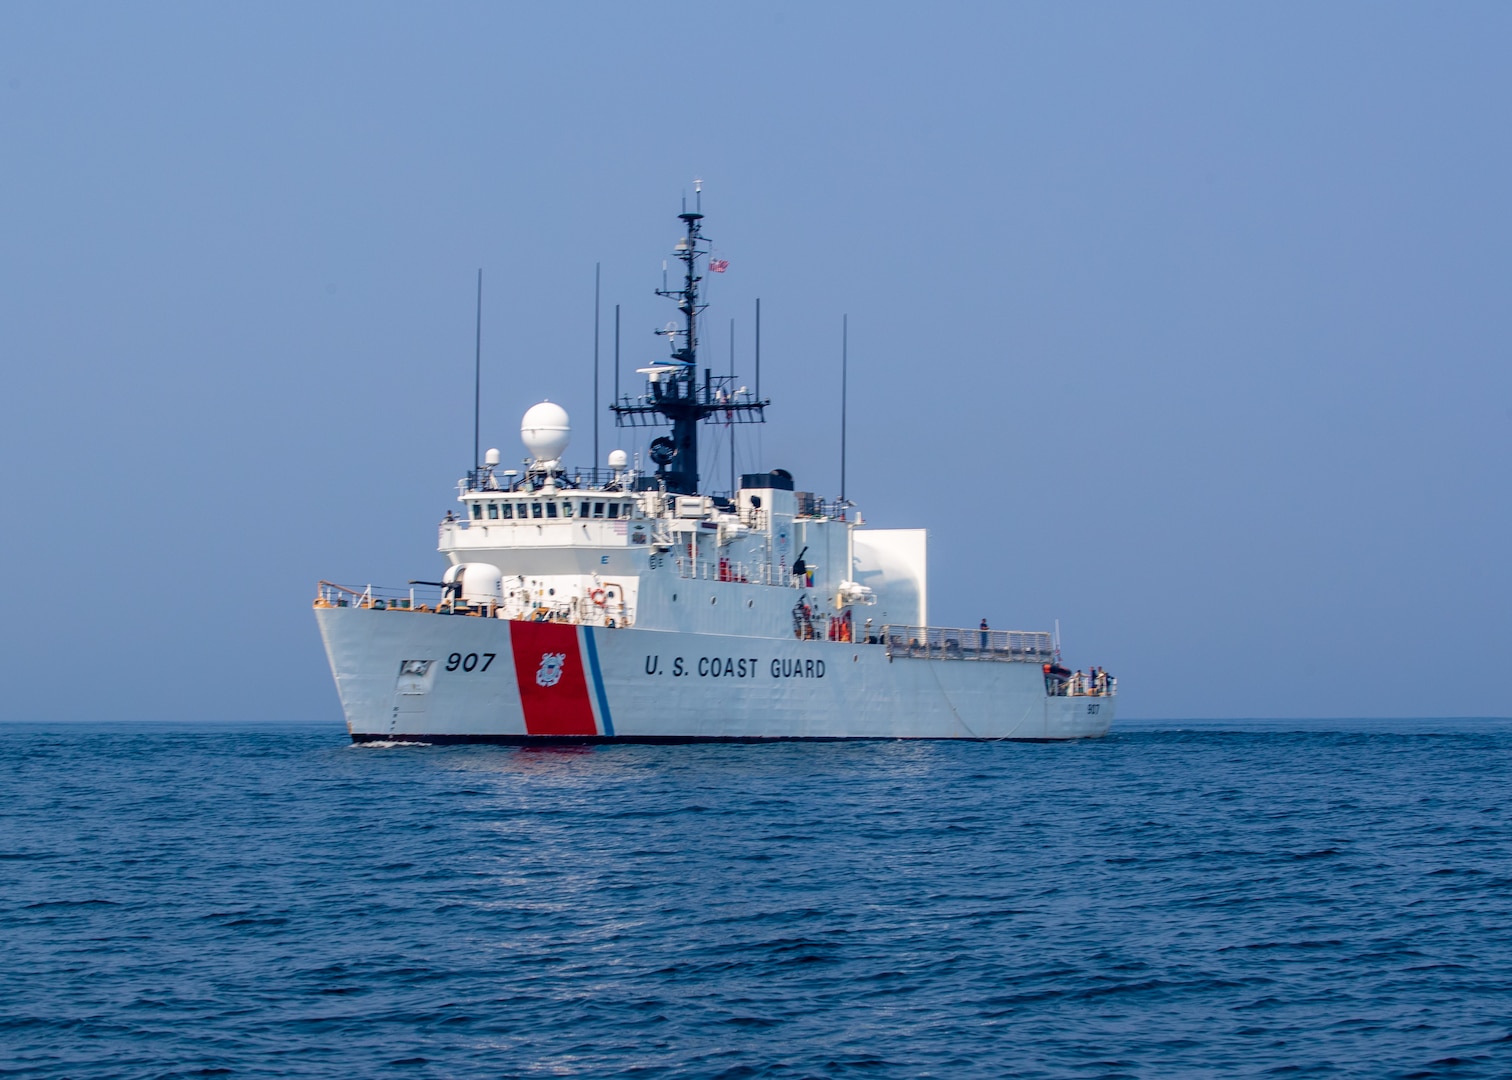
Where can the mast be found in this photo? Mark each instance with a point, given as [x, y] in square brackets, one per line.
[674, 393]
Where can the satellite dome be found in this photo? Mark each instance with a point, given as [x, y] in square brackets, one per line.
[618, 459]
[545, 431]
[492, 457]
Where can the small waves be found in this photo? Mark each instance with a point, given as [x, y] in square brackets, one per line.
[1244, 901]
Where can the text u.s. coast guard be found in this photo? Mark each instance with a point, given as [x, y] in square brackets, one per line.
[736, 667]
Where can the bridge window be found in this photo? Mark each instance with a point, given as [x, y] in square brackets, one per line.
[493, 511]
[567, 508]
[506, 511]
[535, 510]
[477, 511]
[582, 510]
[551, 509]
[598, 509]
[614, 509]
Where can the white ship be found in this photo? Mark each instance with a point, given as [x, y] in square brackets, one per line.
[628, 605]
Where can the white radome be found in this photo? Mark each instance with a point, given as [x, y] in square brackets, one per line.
[545, 431]
[618, 459]
[481, 582]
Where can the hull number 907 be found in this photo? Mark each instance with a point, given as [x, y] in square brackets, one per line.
[471, 662]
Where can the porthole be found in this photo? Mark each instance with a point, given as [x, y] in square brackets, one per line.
[674, 598]
[713, 599]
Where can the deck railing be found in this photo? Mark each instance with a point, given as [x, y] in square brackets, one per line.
[1077, 684]
[729, 570]
[947, 643]
[910, 642]
[584, 611]
[329, 594]
[812, 506]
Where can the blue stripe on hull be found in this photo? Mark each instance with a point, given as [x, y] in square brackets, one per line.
[598, 681]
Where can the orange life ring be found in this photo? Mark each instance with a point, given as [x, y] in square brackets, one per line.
[598, 597]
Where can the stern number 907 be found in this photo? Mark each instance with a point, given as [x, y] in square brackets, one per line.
[471, 662]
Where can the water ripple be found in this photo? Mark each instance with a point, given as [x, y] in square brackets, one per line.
[1224, 901]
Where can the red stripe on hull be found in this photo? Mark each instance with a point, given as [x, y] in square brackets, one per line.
[553, 685]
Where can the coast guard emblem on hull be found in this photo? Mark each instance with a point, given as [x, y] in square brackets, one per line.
[550, 671]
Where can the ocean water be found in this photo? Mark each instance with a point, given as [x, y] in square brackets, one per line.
[1242, 899]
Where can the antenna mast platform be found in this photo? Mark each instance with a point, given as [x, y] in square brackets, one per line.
[674, 393]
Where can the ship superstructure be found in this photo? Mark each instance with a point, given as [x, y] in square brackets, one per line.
[624, 603]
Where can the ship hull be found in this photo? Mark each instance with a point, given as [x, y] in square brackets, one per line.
[425, 677]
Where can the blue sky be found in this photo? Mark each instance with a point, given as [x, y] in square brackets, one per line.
[1183, 324]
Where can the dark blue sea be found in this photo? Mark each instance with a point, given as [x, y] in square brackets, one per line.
[1207, 900]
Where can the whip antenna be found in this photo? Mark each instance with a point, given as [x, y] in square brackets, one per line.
[758, 348]
[844, 357]
[478, 374]
[596, 267]
[733, 489]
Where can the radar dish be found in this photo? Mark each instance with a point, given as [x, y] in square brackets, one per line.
[663, 450]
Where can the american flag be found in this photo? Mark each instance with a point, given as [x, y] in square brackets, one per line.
[619, 528]
[719, 266]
